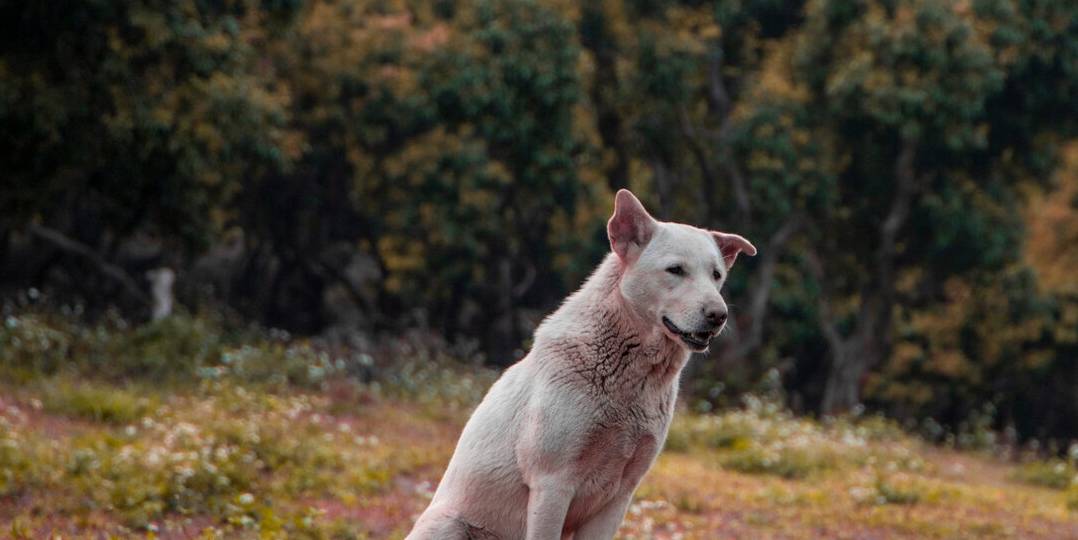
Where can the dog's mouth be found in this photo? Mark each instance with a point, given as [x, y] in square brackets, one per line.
[696, 341]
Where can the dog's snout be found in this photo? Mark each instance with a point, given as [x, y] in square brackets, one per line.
[716, 317]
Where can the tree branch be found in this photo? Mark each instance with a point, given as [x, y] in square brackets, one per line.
[69, 245]
[762, 291]
[720, 104]
[876, 314]
[905, 185]
[823, 303]
[689, 131]
[526, 282]
[717, 96]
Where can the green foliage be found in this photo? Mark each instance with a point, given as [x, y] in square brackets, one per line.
[123, 111]
[173, 348]
[1056, 474]
[181, 350]
[32, 345]
[887, 488]
[765, 438]
[787, 463]
[110, 405]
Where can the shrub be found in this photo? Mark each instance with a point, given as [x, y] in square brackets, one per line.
[889, 489]
[787, 462]
[891, 492]
[97, 403]
[1055, 474]
[180, 348]
[765, 438]
[32, 344]
[172, 348]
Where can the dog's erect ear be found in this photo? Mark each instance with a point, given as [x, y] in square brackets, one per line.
[630, 228]
[732, 244]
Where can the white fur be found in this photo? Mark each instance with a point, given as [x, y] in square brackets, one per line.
[561, 440]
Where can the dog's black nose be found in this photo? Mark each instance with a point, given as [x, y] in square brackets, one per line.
[716, 318]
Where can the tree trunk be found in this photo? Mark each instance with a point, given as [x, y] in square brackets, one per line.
[749, 326]
[502, 339]
[853, 356]
[609, 123]
[850, 362]
[664, 186]
[842, 392]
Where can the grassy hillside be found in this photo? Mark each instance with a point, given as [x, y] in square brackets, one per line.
[118, 432]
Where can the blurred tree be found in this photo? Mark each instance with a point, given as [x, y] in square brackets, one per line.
[1004, 341]
[907, 93]
[489, 187]
[441, 143]
[125, 118]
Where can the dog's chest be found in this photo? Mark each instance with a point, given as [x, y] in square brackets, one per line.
[618, 451]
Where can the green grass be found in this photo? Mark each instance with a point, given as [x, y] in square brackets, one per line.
[253, 437]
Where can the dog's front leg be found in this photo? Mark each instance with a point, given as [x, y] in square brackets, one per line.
[605, 524]
[548, 502]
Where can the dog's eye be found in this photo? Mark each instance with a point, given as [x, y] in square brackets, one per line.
[715, 274]
[677, 270]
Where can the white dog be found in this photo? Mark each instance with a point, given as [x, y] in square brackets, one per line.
[562, 439]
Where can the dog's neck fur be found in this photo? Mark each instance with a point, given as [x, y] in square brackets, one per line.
[620, 350]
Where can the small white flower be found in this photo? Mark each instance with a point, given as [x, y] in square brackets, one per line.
[246, 499]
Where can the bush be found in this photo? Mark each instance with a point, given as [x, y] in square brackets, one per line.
[765, 438]
[179, 348]
[1055, 474]
[897, 489]
[172, 348]
[787, 462]
[32, 344]
[890, 492]
[99, 404]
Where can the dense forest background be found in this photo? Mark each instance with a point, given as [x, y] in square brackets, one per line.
[354, 168]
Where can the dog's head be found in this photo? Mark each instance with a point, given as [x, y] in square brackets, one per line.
[672, 273]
